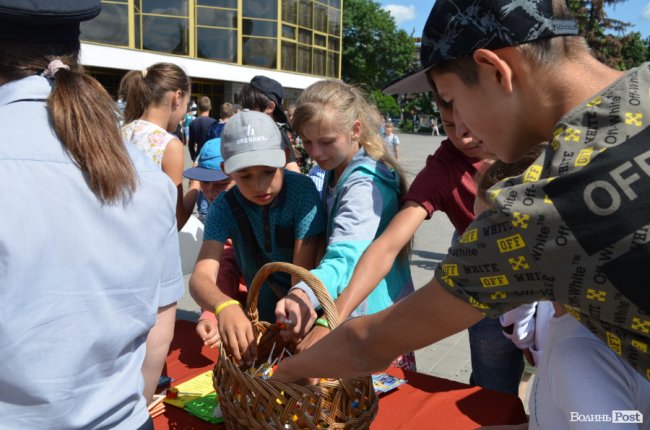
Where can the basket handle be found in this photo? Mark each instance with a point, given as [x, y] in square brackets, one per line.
[319, 289]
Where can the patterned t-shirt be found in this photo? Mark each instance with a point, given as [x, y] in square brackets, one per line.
[574, 227]
[148, 137]
[296, 213]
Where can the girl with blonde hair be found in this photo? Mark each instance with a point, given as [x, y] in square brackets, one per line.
[362, 190]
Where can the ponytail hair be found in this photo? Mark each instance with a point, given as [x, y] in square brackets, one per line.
[84, 116]
[148, 87]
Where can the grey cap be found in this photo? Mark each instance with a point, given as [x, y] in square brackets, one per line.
[251, 139]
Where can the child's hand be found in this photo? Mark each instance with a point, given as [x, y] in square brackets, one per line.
[208, 332]
[236, 333]
[295, 307]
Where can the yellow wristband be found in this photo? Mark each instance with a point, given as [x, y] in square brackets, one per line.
[224, 305]
[322, 322]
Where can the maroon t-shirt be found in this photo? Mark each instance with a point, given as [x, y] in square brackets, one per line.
[447, 184]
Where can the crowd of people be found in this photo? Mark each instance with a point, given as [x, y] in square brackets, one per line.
[90, 266]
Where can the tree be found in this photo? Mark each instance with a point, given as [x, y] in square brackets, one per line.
[634, 50]
[385, 103]
[375, 52]
[605, 36]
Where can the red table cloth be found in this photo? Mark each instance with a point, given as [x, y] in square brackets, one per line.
[424, 402]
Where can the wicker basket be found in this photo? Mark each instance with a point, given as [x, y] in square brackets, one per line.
[253, 403]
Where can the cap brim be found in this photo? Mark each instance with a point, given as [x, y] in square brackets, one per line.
[204, 175]
[262, 157]
[415, 82]
[279, 116]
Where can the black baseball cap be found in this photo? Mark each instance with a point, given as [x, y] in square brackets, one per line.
[457, 28]
[274, 91]
[45, 20]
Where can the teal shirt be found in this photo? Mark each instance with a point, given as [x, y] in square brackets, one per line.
[295, 214]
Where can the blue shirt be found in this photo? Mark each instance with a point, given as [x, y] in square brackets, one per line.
[80, 281]
[295, 214]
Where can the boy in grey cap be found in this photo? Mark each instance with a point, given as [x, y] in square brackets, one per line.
[271, 214]
[573, 228]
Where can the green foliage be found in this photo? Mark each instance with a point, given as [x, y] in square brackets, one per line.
[385, 103]
[634, 50]
[606, 36]
[375, 52]
[406, 126]
[422, 104]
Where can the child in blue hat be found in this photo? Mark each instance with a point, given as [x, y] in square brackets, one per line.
[208, 172]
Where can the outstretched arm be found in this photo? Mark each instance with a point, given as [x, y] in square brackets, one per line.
[378, 259]
[235, 329]
[367, 344]
[373, 266]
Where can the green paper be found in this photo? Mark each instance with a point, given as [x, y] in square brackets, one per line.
[204, 407]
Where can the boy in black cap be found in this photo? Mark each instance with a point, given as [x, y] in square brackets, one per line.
[264, 94]
[89, 269]
[572, 228]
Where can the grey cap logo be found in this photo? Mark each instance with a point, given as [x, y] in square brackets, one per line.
[251, 139]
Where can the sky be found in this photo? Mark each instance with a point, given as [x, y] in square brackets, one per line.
[412, 14]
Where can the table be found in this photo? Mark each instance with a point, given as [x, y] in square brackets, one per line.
[424, 402]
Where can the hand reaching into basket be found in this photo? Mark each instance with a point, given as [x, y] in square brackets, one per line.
[236, 332]
[297, 314]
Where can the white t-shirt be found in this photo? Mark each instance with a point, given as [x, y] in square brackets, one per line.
[580, 382]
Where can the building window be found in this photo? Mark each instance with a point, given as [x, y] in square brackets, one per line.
[216, 30]
[258, 27]
[290, 11]
[111, 26]
[332, 64]
[334, 44]
[305, 13]
[319, 62]
[289, 56]
[267, 9]
[164, 7]
[217, 44]
[320, 17]
[335, 22]
[307, 35]
[304, 59]
[259, 52]
[210, 17]
[164, 34]
[229, 4]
